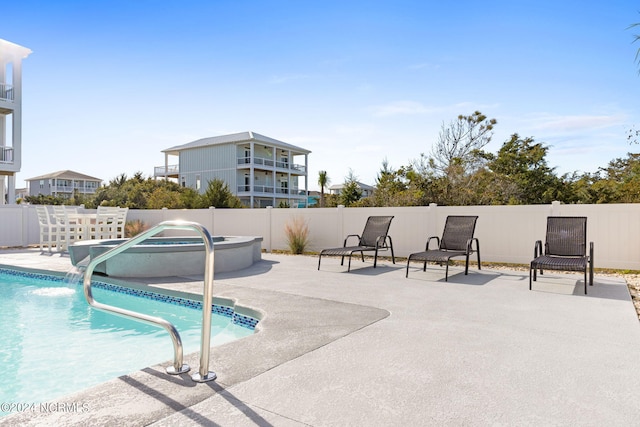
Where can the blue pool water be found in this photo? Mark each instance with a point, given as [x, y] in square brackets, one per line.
[53, 343]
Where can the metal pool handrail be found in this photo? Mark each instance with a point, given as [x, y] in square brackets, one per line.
[178, 367]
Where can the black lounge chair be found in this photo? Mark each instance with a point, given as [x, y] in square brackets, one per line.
[457, 240]
[374, 238]
[565, 248]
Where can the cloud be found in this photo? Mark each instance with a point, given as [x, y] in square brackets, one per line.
[448, 112]
[276, 80]
[401, 108]
[578, 122]
[424, 66]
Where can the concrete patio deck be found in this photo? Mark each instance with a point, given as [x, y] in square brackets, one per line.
[372, 348]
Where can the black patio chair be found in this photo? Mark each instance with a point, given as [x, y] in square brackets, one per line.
[374, 238]
[457, 240]
[565, 248]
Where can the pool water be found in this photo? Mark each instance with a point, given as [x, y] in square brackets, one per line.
[53, 343]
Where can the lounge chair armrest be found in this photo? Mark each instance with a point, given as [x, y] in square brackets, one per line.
[591, 253]
[347, 238]
[429, 241]
[538, 249]
[470, 245]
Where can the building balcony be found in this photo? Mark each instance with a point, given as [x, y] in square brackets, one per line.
[6, 154]
[269, 190]
[70, 189]
[171, 171]
[269, 164]
[6, 92]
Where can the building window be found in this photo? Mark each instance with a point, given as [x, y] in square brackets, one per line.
[197, 182]
[183, 181]
[41, 183]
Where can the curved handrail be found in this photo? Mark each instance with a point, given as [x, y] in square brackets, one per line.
[178, 367]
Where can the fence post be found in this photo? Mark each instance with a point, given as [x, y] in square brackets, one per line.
[341, 220]
[25, 227]
[270, 226]
[432, 219]
[212, 211]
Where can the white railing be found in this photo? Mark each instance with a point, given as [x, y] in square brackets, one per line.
[6, 155]
[261, 161]
[256, 189]
[506, 233]
[169, 170]
[6, 92]
[71, 189]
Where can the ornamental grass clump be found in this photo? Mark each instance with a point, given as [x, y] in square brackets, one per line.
[297, 232]
[134, 227]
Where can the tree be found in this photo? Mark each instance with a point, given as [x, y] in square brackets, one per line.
[458, 142]
[164, 198]
[323, 181]
[619, 182]
[218, 195]
[389, 186]
[636, 37]
[351, 191]
[522, 171]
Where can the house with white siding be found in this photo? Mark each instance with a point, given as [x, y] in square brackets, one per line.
[63, 184]
[11, 56]
[367, 190]
[259, 170]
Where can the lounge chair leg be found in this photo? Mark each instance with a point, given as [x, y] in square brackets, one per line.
[534, 273]
[407, 273]
[446, 273]
[349, 267]
[319, 258]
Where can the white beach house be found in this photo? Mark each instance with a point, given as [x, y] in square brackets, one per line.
[11, 56]
[261, 171]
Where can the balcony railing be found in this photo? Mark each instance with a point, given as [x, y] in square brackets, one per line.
[6, 92]
[6, 154]
[269, 189]
[71, 189]
[169, 170]
[261, 161]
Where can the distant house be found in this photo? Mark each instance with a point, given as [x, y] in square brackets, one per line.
[63, 184]
[367, 190]
[259, 170]
[21, 193]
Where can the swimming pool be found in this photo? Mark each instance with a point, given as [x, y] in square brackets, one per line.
[54, 343]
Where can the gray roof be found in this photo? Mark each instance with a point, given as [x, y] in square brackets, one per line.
[233, 138]
[358, 183]
[66, 174]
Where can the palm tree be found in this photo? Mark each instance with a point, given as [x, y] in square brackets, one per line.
[636, 37]
[323, 181]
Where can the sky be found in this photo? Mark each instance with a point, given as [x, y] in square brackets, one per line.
[110, 84]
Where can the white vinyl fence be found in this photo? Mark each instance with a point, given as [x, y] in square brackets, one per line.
[506, 233]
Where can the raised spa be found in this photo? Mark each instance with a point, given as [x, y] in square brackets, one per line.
[170, 256]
